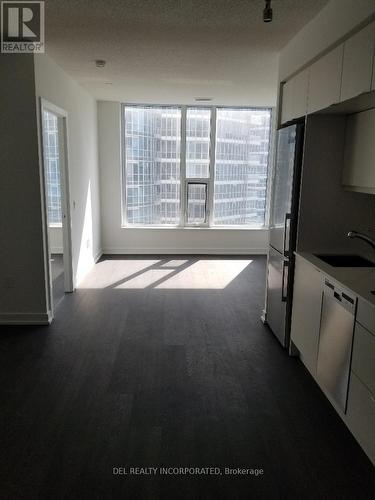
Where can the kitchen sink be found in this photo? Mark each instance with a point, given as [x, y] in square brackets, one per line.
[345, 260]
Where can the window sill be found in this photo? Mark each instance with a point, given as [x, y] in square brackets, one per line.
[55, 225]
[201, 228]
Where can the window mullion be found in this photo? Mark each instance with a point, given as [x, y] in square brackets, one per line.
[211, 185]
[183, 194]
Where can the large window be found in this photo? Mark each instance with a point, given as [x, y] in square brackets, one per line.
[52, 168]
[241, 166]
[152, 152]
[215, 175]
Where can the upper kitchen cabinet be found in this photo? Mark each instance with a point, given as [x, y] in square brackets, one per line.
[358, 63]
[325, 80]
[359, 171]
[294, 101]
[300, 88]
[287, 102]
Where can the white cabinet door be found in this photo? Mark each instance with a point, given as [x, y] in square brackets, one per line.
[360, 415]
[357, 64]
[287, 102]
[325, 80]
[363, 360]
[307, 301]
[359, 171]
[300, 87]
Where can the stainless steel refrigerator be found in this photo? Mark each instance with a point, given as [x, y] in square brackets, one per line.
[283, 230]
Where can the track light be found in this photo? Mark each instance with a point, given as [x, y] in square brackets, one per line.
[267, 12]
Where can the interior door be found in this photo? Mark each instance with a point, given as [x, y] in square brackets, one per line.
[283, 187]
[277, 281]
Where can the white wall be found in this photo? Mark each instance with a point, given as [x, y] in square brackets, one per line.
[22, 272]
[334, 22]
[116, 239]
[54, 85]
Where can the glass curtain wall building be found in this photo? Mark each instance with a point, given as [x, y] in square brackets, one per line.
[152, 149]
[241, 166]
[152, 165]
[52, 168]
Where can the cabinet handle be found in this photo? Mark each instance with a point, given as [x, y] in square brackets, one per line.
[284, 282]
[286, 250]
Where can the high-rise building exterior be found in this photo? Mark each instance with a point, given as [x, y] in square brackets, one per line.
[152, 165]
[152, 173]
[52, 168]
[241, 166]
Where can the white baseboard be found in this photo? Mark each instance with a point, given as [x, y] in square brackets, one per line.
[97, 256]
[185, 251]
[25, 318]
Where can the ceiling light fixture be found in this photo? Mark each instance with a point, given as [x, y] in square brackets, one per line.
[203, 99]
[267, 12]
[100, 63]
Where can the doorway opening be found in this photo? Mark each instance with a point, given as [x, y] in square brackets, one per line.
[56, 203]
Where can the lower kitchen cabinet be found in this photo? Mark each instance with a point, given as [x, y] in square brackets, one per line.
[307, 301]
[360, 415]
[363, 359]
[305, 331]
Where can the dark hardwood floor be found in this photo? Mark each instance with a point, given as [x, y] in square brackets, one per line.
[168, 365]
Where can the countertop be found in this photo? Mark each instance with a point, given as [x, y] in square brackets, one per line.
[359, 280]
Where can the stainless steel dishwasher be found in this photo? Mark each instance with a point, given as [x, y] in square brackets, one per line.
[335, 342]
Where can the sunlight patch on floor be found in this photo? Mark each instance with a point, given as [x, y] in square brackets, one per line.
[146, 279]
[109, 272]
[206, 274]
[165, 274]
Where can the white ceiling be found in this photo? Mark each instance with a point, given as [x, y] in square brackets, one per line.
[174, 50]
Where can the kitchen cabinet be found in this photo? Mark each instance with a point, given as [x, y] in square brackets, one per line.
[294, 102]
[287, 102]
[363, 360]
[307, 300]
[366, 315]
[357, 63]
[359, 152]
[360, 415]
[300, 89]
[325, 80]
[307, 318]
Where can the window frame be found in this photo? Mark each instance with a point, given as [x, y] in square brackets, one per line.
[210, 180]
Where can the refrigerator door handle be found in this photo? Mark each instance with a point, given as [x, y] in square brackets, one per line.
[284, 283]
[288, 217]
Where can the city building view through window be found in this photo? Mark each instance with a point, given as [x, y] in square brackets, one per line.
[52, 167]
[235, 183]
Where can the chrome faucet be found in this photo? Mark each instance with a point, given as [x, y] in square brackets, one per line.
[364, 237]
